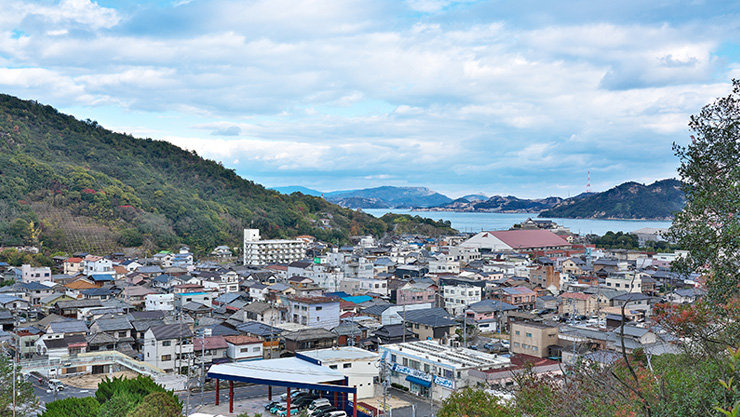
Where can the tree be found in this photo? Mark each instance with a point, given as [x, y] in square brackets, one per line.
[709, 225]
[25, 400]
[72, 407]
[157, 404]
[474, 403]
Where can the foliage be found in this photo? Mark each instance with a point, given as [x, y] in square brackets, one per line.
[474, 403]
[72, 407]
[401, 224]
[72, 185]
[25, 399]
[119, 405]
[620, 240]
[709, 226]
[659, 200]
[157, 404]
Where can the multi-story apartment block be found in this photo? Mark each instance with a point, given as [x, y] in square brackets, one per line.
[629, 281]
[459, 297]
[364, 286]
[444, 264]
[314, 311]
[533, 338]
[465, 255]
[262, 252]
[31, 274]
[416, 293]
[163, 347]
[163, 302]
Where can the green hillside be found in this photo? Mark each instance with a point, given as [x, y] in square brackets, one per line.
[71, 185]
[630, 200]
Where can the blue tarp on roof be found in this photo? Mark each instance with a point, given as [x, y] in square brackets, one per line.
[101, 277]
[357, 299]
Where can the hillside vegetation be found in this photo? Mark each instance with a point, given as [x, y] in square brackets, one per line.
[630, 200]
[72, 185]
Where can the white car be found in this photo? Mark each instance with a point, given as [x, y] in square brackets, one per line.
[317, 403]
[55, 385]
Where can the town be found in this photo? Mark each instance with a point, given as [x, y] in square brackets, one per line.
[385, 326]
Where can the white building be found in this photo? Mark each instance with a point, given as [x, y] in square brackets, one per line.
[459, 297]
[94, 265]
[465, 255]
[31, 274]
[163, 302]
[357, 286]
[162, 347]
[629, 281]
[243, 348]
[360, 366]
[262, 252]
[445, 264]
[428, 368]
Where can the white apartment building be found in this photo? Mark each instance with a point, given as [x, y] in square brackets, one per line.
[360, 366]
[444, 264]
[629, 281]
[162, 346]
[161, 302]
[465, 255]
[243, 348]
[430, 369]
[459, 297]
[31, 274]
[262, 252]
[357, 286]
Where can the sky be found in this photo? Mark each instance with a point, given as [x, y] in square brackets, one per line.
[496, 97]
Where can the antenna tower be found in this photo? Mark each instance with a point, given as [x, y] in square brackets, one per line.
[588, 181]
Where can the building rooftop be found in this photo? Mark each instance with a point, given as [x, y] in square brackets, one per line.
[340, 354]
[459, 358]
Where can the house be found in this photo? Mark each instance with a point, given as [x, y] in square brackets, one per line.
[213, 351]
[314, 311]
[73, 266]
[577, 304]
[538, 339]
[488, 315]
[243, 348]
[13, 303]
[162, 302]
[416, 293]
[545, 276]
[573, 266]
[119, 328]
[431, 324]
[685, 295]
[262, 312]
[163, 349]
[307, 339]
[516, 240]
[96, 265]
[57, 348]
[521, 297]
[349, 333]
[394, 333]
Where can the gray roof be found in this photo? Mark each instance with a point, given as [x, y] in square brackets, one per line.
[170, 331]
[113, 324]
[377, 309]
[433, 317]
[257, 307]
[487, 306]
[79, 303]
[310, 334]
[71, 326]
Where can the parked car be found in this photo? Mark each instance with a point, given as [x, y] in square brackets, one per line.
[321, 410]
[326, 413]
[339, 413]
[271, 404]
[284, 411]
[318, 403]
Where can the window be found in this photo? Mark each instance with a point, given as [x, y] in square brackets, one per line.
[166, 357]
[426, 368]
[332, 366]
[121, 334]
[347, 365]
[166, 343]
[244, 350]
[318, 308]
[256, 349]
[405, 362]
[393, 358]
[517, 332]
[529, 334]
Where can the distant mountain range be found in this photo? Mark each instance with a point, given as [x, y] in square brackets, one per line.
[379, 197]
[630, 200]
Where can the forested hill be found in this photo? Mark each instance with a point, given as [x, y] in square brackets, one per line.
[72, 185]
[630, 200]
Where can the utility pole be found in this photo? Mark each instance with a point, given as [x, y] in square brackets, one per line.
[465, 330]
[203, 368]
[404, 324]
[431, 399]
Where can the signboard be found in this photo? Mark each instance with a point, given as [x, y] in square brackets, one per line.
[443, 382]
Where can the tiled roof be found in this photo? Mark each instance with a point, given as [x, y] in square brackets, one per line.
[528, 239]
[242, 340]
[170, 331]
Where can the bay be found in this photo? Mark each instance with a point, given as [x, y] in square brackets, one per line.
[476, 222]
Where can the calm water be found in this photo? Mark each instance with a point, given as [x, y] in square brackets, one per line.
[475, 222]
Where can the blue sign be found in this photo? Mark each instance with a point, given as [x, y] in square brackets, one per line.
[443, 382]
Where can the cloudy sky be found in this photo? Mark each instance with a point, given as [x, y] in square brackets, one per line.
[501, 97]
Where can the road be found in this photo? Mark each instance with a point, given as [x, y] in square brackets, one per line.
[240, 393]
